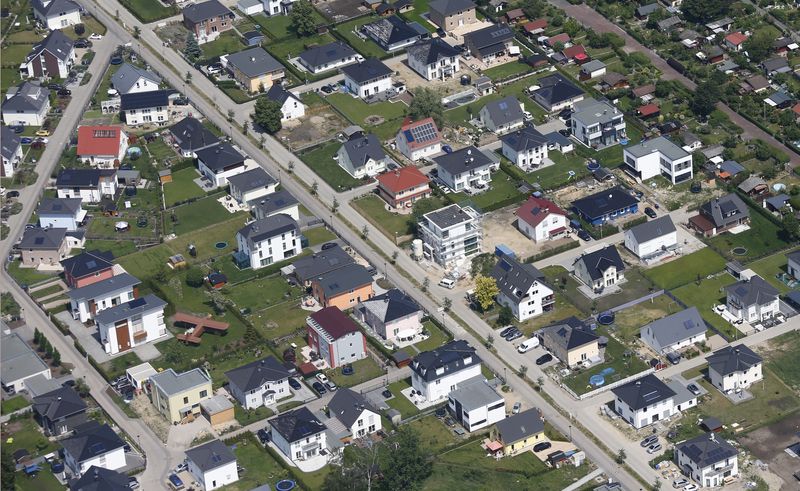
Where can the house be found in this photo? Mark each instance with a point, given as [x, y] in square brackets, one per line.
[86, 301]
[27, 105]
[278, 202]
[450, 234]
[652, 238]
[648, 111]
[52, 58]
[190, 135]
[87, 268]
[728, 169]
[515, 16]
[56, 14]
[535, 27]
[59, 411]
[644, 401]
[503, 115]
[11, 151]
[691, 142]
[601, 268]
[207, 20]
[219, 162]
[131, 324]
[793, 264]
[541, 220]
[575, 54]
[177, 396]
[559, 142]
[536, 61]
[452, 14]
[251, 185]
[146, 107]
[306, 269]
[335, 337]
[775, 66]
[343, 287]
[522, 288]
[556, 93]
[299, 434]
[752, 300]
[61, 213]
[103, 146]
[669, 23]
[90, 185]
[658, 156]
[329, 56]
[779, 100]
[212, 464]
[93, 445]
[711, 54]
[520, 432]
[269, 240]
[418, 140]
[436, 373]
[643, 11]
[527, 148]
[571, 342]
[355, 413]
[734, 367]
[735, 41]
[260, 383]
[778, 203]
[392, 315]
[683, 399]
[362, 156]
[720, 215]
[43, 246]
[690, 38]
[674, 332]
[465, 169]
[385, 9]
[20, 363]
[592, 69]
[606, 205]
[433, 59]
[644, 92]
[783, 46]
[391, 33]
[291, 105]
[277, 7]
[597, 124]
[484, 86]
[130, 79]
[558, 41]
[403, 6]
[754, 186]
[475, 404]
[720, 25]
[490, 43]
[707, 459]
[99, 479]
[254, 68]
[367, 78]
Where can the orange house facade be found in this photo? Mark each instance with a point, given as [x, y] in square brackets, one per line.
[344, 287]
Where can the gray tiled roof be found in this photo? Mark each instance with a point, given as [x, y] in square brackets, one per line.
[643, 392]
[525, 139]
[59, 403]
[367, 70]
[390, 306]
[677, 327]
[431, 51]
[707, 450]
[360, 150]
[57, 43]
[327, 53]
[255, 178]
[463, 160]
[54, 7]
[450, 7]
[343, 279]
[271, 203]
[92, 440]
[254, 62]
[661, 144]
[732, 359]
[59, 206]
[171, 382]
[10, 142]
[210, 455]
[296, 425]
[520, 426]
[29, 98]
[591, 111]
[652, 229]
[101, 479]
[755, 291]
[198, 12]
[257, 373]
[724, 210]
[555, 89]
[19, 360]
[592, 66]
[475, 393]
[101, 287]
[347, 405]
[598, 262]
[192, 135]
[310, 267]
[219, 156]
[268, 227]
[452, 357]
[505, 111]
[513, 278]
[137, 306]
[569, 333]
[43, 239]
[127, 75]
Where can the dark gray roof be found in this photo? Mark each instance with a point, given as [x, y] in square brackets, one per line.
[751, 183]
[707, 450]
[652, 229]
[54, 7]
[451, 358]
[569, 334]
[527, 138]
[794, 256]
[514, 279]
[505, 111]
[604, 202]
[87, 178]
[59, 206]
[28, 98]
[253, 179]
[220, 156]
[755, 291]
[280, 95]
[724, 210]
[431, 51]
[643, 392]
[199, 12]
[361, 149]
[257, 373]
[647, 9]
[777, 64]
[732, 167]
[676, 327]
[392, 305]
[87, 263]
[101, 287]
[144, 100]
[344, 279]
[19, 360]
[57, 43]
[59, 403]
[101, 479]
[137, 306]
[367, 70]
[463, 160]
[296, 425]
[780, 97]
[170, 382]
[311, 267]
[555, 89]
[732, 359]
[127, 75]
[669, 23]
[192, 135]
[520, 426]
[448, 216]
[268, 227]
[592, 66]
[450, 7]
[210, 455]
[92, 440]
[347, 405]
[254, 62]
[10, 143]
[327, 53]
[277, 201]
[390, 30]
[599, 261]
[43, 239]
[779, 201]
[557, 138]
[487, 40]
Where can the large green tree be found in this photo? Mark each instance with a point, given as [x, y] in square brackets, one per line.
[705, 98]
[759, 45]
[267, 114]
[485, 291]
[8, 470]
[302, 18]
[427, 103]
[192, 50]
[704, 11]
[406, 464]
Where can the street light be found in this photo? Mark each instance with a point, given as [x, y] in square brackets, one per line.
[570, 432]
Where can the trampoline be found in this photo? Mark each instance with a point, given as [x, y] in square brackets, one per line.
[221, 245]
[597, 380]
[141, 222]
[607, 371]
[348, 370]
[623, 141]
[606, 318]
[285, 485]
[134, 151]
[739, 251]
[593, 165]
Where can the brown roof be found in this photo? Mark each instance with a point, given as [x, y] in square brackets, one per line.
[644, 90]
[334, 322]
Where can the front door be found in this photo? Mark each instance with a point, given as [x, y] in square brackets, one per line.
[123, 337]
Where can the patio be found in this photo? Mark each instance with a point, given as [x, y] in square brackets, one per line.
[416, 401]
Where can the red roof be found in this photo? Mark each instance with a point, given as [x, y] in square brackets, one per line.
[558, 38]
[736, 38]
[796, 108]
[397, 181]
[536, 209]
[535, 25]
[419, 135]
[577, 52]
[99, 140]
[334, 322]
[648, 110]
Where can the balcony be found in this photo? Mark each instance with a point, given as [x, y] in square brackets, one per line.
[549, 300]
[720, 472]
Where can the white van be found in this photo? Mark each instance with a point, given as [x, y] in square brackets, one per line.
[448, 283]
[528, 344]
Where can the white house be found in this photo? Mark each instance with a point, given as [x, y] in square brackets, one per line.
[90, 185]
[419, 139]
[269, 240]
[96, 445]
[212, 464]
[332, 334]
[541, 220]
[436, 373]
[219, 162]
[11, 151]
[368, 78]
[734, 367]
[475, 404]
[600, 269]
[450, 234]
[674, 332]
[131, 324]
[527, 148]
[644, 401]
[597, 124]
[130, 79]
[146, 107]
[272, 204]
[299, 434]
[503, 115]
[522, 289]
[392, 315]
[190, 135]
[26, 105]
[433, 59]
[355, 413]
[260, 383]
[465, 169]
[102, 146]
[291, 105]
[707, 459]
[56, 14]
[658, 156]
[20, 363]
[752, 300]
[592, 69]
[85, 302]
[362, 156]
[250, 7]
[793, 264]
[251, 185]
[277, 7]
[328, 57]
[652, 238]
[52, 58]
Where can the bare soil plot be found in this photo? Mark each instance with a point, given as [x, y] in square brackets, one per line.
[320, 124]
[768, 443]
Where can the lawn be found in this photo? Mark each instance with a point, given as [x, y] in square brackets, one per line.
[260, 467]
[44, 481]
[247, 416]
[280, 319]
[357, 111]
[150, 10]
[704, 296]
[366, 47]
[437, 337]
[420, 8]
[26, 434]
[366, 369]
[628, 322]
[15, 53]
[769, 267]
[399, 401]
[686, 269]
[182, 187]
[557, 175]
[503, 188]
[279, 26]
[762, 239]
[292, 47]
[160, 151]
[635, 286]
[46, 291]
[105, 226]
[782, 358]
[507, 70]
[391, 224]
[320, 160]
[319, 235]
[205, 239]
[13, 404]
[200, 214]
[117, 247]
[8, 78]
[261, 293]
[227, 42]
[433, 434]
[27, 276]
[146, 262]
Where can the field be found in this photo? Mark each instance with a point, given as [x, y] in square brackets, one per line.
[321, 162]
[182, 187]
[686, 269]
[763, 238]
[782, 358]
[704, 296]
[374, 209]
[150, 10]
[227, 42]
[503, 189]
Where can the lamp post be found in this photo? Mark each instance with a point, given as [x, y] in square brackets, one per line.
[570, 433]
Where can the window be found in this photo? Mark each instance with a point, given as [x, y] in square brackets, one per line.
[203, 393]
[186, 400]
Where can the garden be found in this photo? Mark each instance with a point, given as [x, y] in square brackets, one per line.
[366, 47]
[321, 162]
[781, 358]
[686, 269]
[763, 238]
[150, 10]
[182, 187]
[628, 322]
[705, 294]
[389, 114]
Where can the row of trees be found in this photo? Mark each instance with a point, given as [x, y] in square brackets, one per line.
[44, 346]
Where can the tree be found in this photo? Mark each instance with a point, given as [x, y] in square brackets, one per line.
[427, 103]
[447, 303]
[7, 469]
[759, 45]
[406, 465]
[335, 204]
[314, 188]
[79, 29]
[703, 11]
[421, 207]
[621, 456]
[425, 284]
[365, 232]
[231, 115]
[49, 350]
[705, 99]
[195, 277]
[572, 27]
[357, 467]
[506, 316]
[192, 51]
[56, 358]
[791, 227]
[37, 336]
[523, 370]
[245, 127]
[489, 341]
[302, 18]
[267, 114]
[188, 77]
[485, 291]
[656, 485]
[137, 31]
[161, 275]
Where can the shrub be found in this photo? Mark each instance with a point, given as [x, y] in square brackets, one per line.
[195, 277]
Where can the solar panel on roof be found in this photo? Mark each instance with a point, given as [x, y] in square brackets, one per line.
[97, 448]
[137, 302]
[216, 458]
[409, 135]
[505, 266]
[503, 106]
[38, 240]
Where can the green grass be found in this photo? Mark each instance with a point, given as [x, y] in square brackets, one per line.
[27, 435]
[150, 10]
[367, 47]
[357, 111]
[437, 337]
[44, 481]
[400, 401]
[686, 269]
[14, 54]
[503, 187]
[46, 291]
[366, 369]
[24, 37]
[321, 162]
[117, 247]
[291, 47]
[279, 320]
[704, 296]
[200, 214]
[160, 151]
[27, 276]
[261, 293]
[635, 286]
[146, 262]
[8, 78]
[248, 416]
[279, 26]
[204, 239]
[420, 7]
[319, 235]
[627, 322]
[557, 175]
[782, 358]
[374, 209]
[182, 187]
[432, 433]
[13, 404]
[227, 42]
[103, 226]
[117, 365]
[769, 267]
[763, 238]
[260, 467]
[507, 70]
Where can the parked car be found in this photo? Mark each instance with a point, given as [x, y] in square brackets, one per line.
[12, 194]
[181, 101]
[64, 93]
[263, 435]
[17, 128]
[80, 43]
[387, 393]
[215, 68]
[331, 386]
[545, 358]
[584, 235]
[691, 487]
[294, 384]
[516, 335]
[42, 133]
[506, 330]
[55, 86]
[319, 388]
[328, 245]
[649, 441]
[322, 378]
[654, 448]
[96, 37]
[539, 447]
[517, 408]
[650, 212]
[679, 483]
[42, 140]
[26, 140]
[693, 389]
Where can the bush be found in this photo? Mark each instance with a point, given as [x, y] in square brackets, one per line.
[195, 277]
[633, 223]
[79, 29]
[552, 252]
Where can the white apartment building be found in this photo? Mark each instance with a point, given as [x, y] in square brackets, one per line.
[597, 124]
[269, 240]
[433, 59]
[644, 401]
[752, 299]
[475, 404]
[450, 234]
[131, 324]
[707, 459]
[658, 156]
[87, 301]
[436, 373]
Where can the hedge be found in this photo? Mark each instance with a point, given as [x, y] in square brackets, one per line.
[633, 223]
[552, 252]
[79, 347]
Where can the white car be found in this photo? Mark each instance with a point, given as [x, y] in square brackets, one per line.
[654, 448]
[679, 483]
[691, 487]
[322, 378]
[95, 37]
